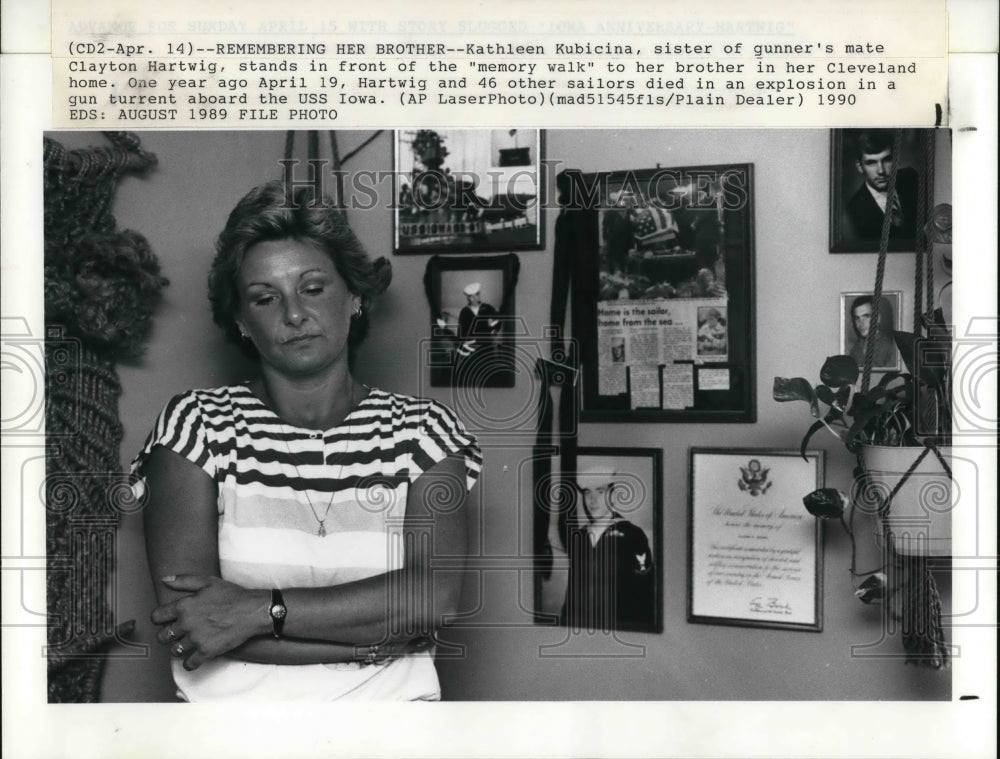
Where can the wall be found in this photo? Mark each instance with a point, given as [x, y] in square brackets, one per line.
[181, 206]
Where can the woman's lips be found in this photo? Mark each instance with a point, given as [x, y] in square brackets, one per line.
[299, 339]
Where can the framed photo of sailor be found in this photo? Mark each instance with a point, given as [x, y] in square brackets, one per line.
[604, 567]
[468, 190]
[663, 292]
[473, 321]
[755, 554]
[861, 161]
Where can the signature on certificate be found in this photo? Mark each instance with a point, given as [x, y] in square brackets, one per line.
[770, 605]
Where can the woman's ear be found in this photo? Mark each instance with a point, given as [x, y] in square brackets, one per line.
[241, 327]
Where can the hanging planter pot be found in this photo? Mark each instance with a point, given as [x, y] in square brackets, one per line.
[911, 487]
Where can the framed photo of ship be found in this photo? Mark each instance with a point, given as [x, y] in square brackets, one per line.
[663, 292]
[468, 190]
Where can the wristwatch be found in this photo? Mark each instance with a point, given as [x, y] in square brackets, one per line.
[278, 612]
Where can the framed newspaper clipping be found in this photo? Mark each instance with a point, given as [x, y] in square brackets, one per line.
[663, 292]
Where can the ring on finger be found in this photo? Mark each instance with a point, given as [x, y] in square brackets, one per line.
[177, 649]
[171, 635]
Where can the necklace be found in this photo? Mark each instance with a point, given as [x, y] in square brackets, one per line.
[321, 531]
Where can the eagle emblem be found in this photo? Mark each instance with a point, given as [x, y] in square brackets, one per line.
[754, 478]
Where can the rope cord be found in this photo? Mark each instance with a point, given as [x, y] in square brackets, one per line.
[928, 212]
[883, 249]
[920, 250]
[339, 201]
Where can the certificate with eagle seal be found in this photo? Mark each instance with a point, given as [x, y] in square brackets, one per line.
[755, 555]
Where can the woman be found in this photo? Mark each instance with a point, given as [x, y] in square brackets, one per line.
[292, 519]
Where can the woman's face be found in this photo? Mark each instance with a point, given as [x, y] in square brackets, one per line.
[294, 306]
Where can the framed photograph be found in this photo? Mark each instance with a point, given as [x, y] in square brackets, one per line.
[855, 323]
[663, 293]
[468, 190]
[755, 553]
[473, 320]
[605, 572]
[860, 163]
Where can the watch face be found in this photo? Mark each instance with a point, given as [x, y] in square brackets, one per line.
[278, 611]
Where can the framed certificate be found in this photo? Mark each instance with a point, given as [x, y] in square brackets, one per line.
[755, 556]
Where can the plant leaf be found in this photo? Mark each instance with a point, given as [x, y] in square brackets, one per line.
[813, 429]
[825, 394]
[861, 420]
[889, 377]
[938, 227]
[796, 389]
[826, 503]
[872, 589]
[906, 343]
[838, 371]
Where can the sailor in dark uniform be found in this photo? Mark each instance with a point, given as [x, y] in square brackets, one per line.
[611, 581]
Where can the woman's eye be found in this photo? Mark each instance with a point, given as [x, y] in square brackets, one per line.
[314, 290]
[263, 300]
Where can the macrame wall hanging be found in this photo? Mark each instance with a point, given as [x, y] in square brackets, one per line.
[101, 288]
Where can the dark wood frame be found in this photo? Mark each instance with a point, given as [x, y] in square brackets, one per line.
[735, 249]
[474, 237]
[845, 180]
[439, 354]
[740, 454]
[564, 483]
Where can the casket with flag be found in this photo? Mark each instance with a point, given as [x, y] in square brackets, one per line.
[654, 227]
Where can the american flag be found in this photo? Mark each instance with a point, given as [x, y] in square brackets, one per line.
[653, 225]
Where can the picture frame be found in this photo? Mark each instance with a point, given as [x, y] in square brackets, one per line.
[472, 342]
[755, 555]
[616, 583]
[855, 216]
[658, 251]
[886, 357]
[468, 190]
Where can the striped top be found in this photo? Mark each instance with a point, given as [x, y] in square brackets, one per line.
[276, 482]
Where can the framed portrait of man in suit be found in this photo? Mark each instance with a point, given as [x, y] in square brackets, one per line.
[861, 164]
[855, 328]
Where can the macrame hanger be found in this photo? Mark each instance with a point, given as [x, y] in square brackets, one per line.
[927, 137]
[312, 143]
[883, 249]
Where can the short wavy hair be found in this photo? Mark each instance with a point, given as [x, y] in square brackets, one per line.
[873, 142]
[270, 212]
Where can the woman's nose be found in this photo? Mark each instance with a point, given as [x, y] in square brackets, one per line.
[294, 313]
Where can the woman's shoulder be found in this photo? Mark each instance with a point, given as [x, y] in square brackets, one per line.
[407, 406]
[212, 400]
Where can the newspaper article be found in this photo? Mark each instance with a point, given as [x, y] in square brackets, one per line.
[663, 334]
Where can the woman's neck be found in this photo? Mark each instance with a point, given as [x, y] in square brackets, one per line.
[316, 402]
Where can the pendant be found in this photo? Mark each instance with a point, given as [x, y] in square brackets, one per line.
[322, 529]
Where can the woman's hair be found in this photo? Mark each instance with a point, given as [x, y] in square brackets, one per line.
[269, 213]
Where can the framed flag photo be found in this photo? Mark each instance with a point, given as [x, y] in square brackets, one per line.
[663, 292]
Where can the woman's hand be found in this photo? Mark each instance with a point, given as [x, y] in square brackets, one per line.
[216, 617]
